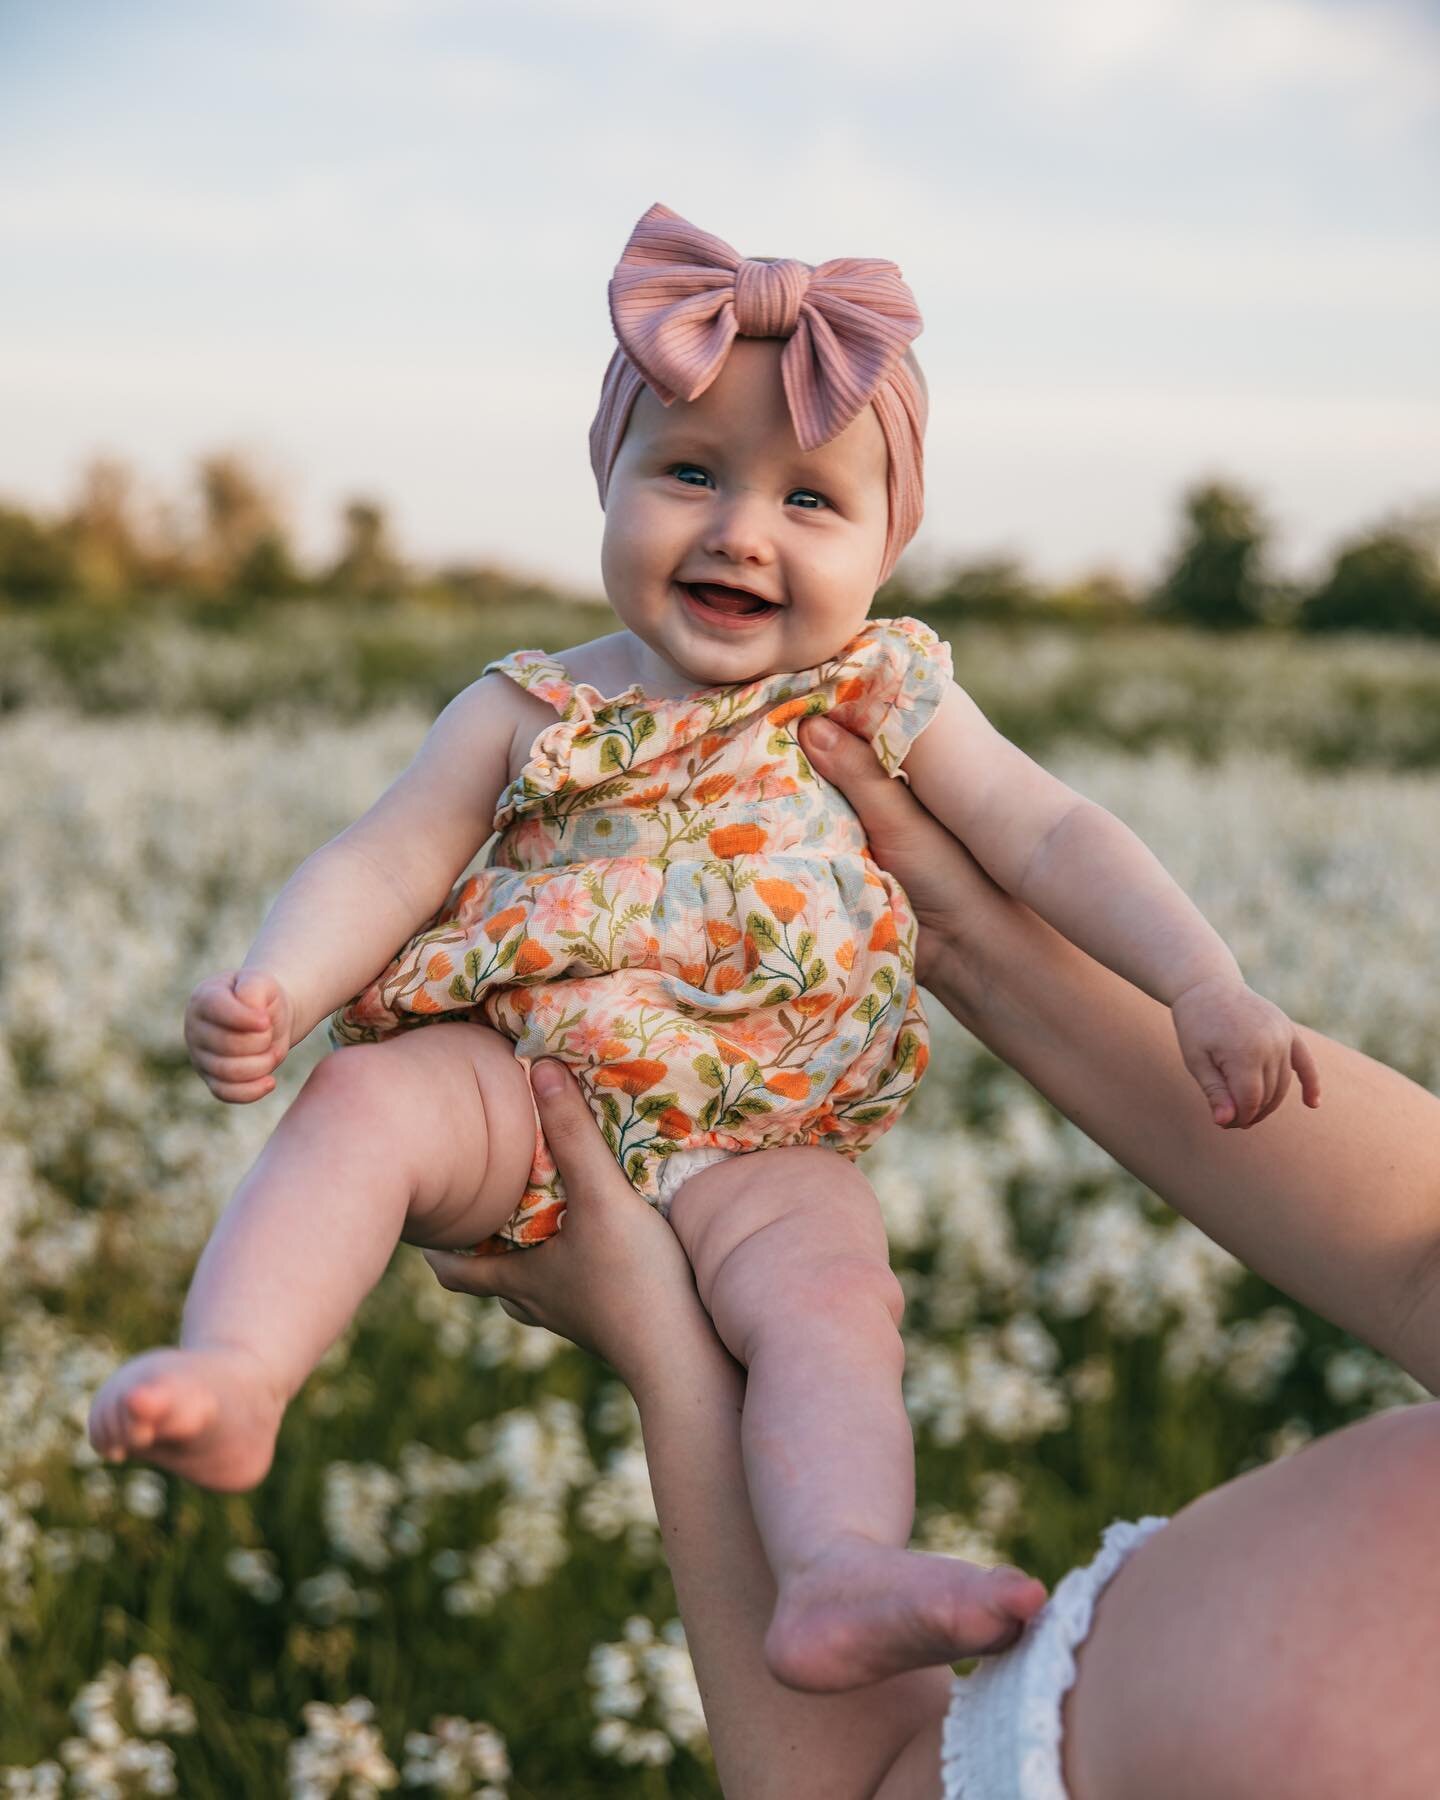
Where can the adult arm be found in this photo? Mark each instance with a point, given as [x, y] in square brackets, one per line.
[1340, 1207]
[616, 1281]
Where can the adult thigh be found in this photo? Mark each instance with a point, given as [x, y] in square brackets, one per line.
[1280, 1638]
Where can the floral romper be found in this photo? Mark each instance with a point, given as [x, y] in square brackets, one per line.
[679, 909]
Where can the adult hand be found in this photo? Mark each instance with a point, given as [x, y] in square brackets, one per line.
[614, 1279]
[944, 883]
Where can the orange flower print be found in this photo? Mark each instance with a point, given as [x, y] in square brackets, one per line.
[496, 927]
[699, 814]
[737, 840]
[789, 1082]
[783, 898]
[635, 1077]
[543, 1223]
[712, 787]
[530, 958]
[809, 1006]
[788, 710]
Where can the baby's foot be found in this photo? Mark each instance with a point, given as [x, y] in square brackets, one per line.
[862, 1611]
[209, 1415]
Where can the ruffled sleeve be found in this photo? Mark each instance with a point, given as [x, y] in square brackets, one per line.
[888, 684]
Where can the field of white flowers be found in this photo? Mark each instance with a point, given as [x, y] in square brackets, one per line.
[451, 1583]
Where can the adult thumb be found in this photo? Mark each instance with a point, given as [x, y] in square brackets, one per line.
[584, 1159]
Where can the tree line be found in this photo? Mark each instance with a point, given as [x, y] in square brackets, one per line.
[228, 540]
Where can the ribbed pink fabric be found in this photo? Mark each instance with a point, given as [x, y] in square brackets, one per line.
[678, 300]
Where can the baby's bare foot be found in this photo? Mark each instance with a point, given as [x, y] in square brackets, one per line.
[863, 1611]
[210, 1415]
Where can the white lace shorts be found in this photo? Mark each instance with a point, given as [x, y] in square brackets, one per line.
[1002, 1732]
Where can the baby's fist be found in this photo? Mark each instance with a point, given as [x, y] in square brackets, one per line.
[237, 1030]
[1241, 1048]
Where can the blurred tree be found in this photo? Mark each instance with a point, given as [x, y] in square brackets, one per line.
[103, 534]
[1217, 578]
[35, 561]
[240, 512]
[989, 587]
[267, 570]
[1386, 580]
[367, 566]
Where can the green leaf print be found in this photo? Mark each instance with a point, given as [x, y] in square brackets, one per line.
[804, 946]
[817, 972]
[644, 727]
[474, 967]
[867, 1115]
[779, 994]
[709, 1071]
[610, 1106]
[754, 1106]
[885, 978]
[459, 988]
[653, 1105]
[509, 951]
[760, 929]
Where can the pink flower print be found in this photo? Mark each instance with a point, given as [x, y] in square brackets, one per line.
[561, 905]
[759, 1034]
[586, 1038]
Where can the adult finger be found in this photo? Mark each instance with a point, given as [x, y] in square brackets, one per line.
[585, 1161]
[895, 822]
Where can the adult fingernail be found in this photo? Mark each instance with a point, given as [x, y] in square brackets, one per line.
[545, 1077]
[823, 733]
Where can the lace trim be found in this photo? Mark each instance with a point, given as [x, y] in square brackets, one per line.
[1001, 1737]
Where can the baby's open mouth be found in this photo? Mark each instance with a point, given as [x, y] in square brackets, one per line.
[731, 603]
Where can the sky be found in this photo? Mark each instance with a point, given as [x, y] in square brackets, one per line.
[368, 242]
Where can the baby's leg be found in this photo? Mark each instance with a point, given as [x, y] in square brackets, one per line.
[428, 1136]
[790, 1259]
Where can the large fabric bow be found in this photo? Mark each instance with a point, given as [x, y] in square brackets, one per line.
[679, 297]
[678, 300]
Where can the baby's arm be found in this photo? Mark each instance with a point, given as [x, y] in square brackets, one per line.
[354, 901]
[1087, 874]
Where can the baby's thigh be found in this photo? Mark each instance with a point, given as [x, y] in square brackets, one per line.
[781, 1228]
[453, 1107]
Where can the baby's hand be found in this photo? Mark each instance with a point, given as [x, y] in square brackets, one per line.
[237, 1030]
[1241, 1049]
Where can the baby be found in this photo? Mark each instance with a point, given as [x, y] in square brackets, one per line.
[679, 909]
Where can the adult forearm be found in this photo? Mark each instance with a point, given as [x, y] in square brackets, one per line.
[1340, 1206]
[334, 925]
[1096, 882]
[768, 1740]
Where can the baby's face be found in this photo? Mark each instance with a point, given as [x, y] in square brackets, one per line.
[718, 490]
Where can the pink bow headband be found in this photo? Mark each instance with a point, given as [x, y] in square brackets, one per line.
[678, 300]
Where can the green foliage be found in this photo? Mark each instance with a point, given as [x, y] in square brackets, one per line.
[1216, 579]
[35, 564]
[1386, 581]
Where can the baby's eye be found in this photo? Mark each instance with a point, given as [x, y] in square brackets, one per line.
[679, 469]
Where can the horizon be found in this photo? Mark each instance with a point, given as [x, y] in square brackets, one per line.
[1250, 298]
